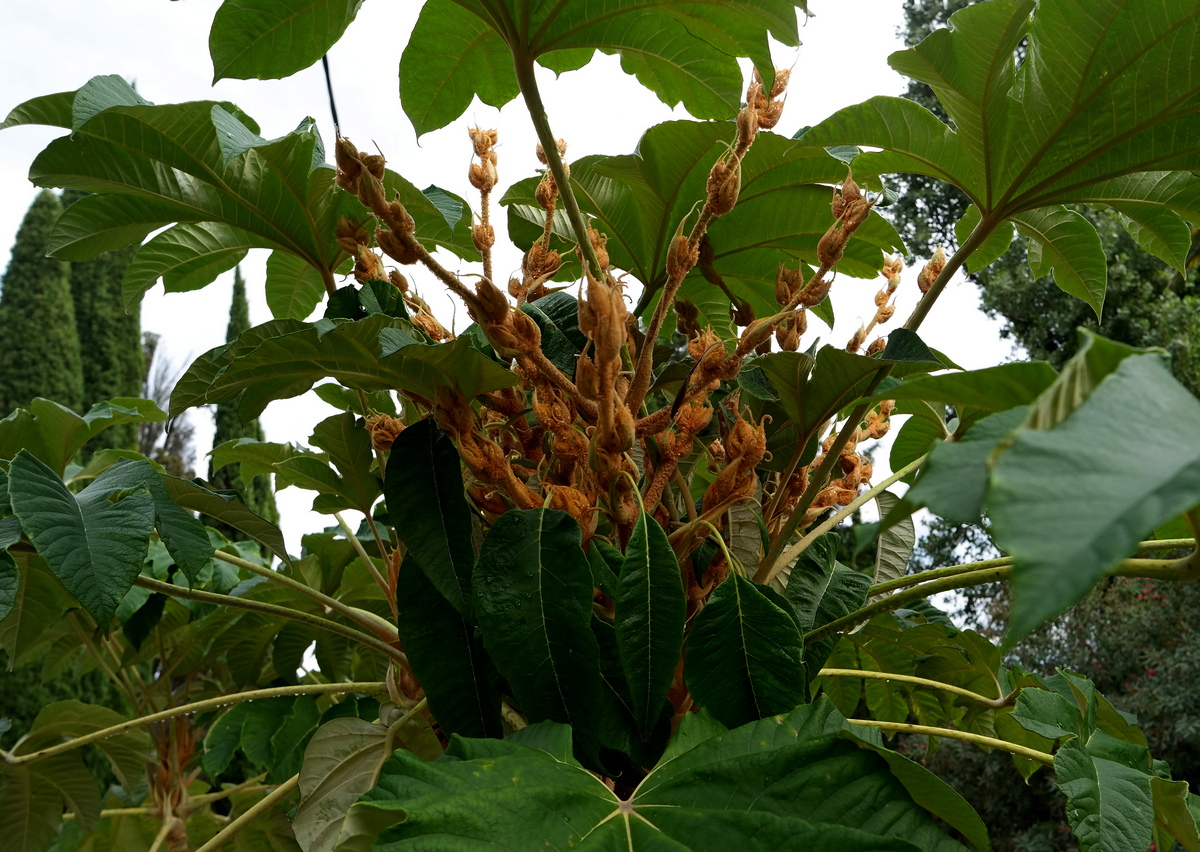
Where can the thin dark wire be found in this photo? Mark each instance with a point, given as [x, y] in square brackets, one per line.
[337, 131]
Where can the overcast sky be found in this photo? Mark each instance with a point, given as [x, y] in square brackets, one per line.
[57, 45]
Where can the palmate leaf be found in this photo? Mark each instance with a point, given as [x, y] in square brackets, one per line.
[202, 169]
[682, 51]
[1091, 117]
[639, 200]
[800, 781]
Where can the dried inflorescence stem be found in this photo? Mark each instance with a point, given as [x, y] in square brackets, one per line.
[483, 177]
[721, 194]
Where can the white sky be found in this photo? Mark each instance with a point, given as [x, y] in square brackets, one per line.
[57, 45]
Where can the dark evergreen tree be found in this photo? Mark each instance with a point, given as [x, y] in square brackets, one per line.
[258, 493]
[39, 346]
[109, 337]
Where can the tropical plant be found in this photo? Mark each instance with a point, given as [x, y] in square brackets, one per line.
[595, 585]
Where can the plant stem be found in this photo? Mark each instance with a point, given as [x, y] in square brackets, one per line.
[817, 480]
[275, 610]
[184, 709]
[951, 734]
[527, 80]
[920, 681]
[982, 231]
[250, 786]
[360, 617]
[362, 554]
[227, 833]
[1176, 570]
[793, 553]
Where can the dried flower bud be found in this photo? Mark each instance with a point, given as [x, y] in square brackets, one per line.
[370, 192]
[587, 379]
[724, 184]
[599, 243]
[375, 164]
[546, 192]
[877, 346]
[397, 249]
[561, 144]
[484, 236]
[348, 166]
[367, 265]
[832, 244]
[351, 235]
[931, 270]
[856, 342]
[881, 298]
[482, 140]
[681, 256]
[384, 430]
[431, 326]
[396, 217]
[782, 76]
[787, 284]
[884, 314]
[815, 292]
[398, 280]
[747, 122]
[686, 317]
[787, 336]
[482, 176]
[540, 262]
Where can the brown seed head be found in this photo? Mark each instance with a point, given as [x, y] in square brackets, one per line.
[484, 236]
[681, 257]
[599, 243]
[931, 270]
[375, 164]
[856, 341]
[492, 302]
[398, 280]
[815, 292]
[884, 314]
[398, 250]
[724, 184]
[396, 217]
[877, 346]
[546, 192]
[787, 284]
[561, 144]
[482, 140]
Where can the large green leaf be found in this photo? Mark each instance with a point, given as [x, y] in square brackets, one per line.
[10, 580]
[38, 601]
[745, 655]
[345, 439]
[34, 796]
[54, 433]
[95, 546]
[424, 490]
[649, 618]
[185, 537]
[1089, 117]
[822, 589]
[226, 507]
[378, 353]
[797, 782]
[533, 599]
[447, 656]
[267, 39]
[128, 752]
[682, 51]
[202, 168]
[1128, 461]
[639, 199]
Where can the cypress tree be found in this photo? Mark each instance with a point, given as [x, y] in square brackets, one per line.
[110, 338]
[39, 345]
[258, 494]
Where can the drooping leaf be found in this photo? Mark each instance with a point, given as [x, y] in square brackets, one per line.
[822, 589]
[649, 619]
[1123, 449]
[377, 353]
[10, 580]
[896, 542]
[38, 601]
[348, 444]
[680, 51]
[266, 39]
[93, 545]
[53, 433]
[127, 752]
[448, 657]
[293, 287]
[429, 510]
[533, 598]
[744, 655]
[226, 507]
[1062, 242]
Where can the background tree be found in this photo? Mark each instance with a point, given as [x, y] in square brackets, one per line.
[36, 291]
[258, 493]
[169, 444]
[109, 337]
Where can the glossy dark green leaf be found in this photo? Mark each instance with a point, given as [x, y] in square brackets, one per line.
[447, 656]
[93, 545]
[267, 39]
[293, 287]
[649, 619]
[10, 580]
[744, 655]
[1132, 468]
[533, 600]
[918, 436]
[377, 353]
[429, 510]
[606, 564]
[681, 51]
